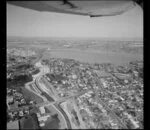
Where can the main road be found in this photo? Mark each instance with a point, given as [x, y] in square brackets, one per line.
[56, 104]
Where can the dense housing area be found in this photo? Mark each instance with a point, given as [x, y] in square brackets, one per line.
[55, 93]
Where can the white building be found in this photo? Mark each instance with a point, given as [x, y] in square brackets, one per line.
[42, 109]
[43, 118]
[42, 124]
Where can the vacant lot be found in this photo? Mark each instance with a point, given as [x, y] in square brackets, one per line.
[29, 95]
[52, 122]
[30, 122]
[56, 121]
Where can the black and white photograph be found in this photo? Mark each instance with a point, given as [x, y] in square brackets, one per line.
[74, 64]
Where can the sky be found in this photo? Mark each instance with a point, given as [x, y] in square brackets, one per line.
[26, 22]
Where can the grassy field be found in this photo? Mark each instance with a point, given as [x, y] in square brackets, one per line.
[30, 122]
[52, 122]
[61, 123]
[29, 95]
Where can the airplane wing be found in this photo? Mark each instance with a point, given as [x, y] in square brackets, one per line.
[93, 8]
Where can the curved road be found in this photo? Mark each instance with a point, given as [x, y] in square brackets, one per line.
[44, 70]
[64, 114]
